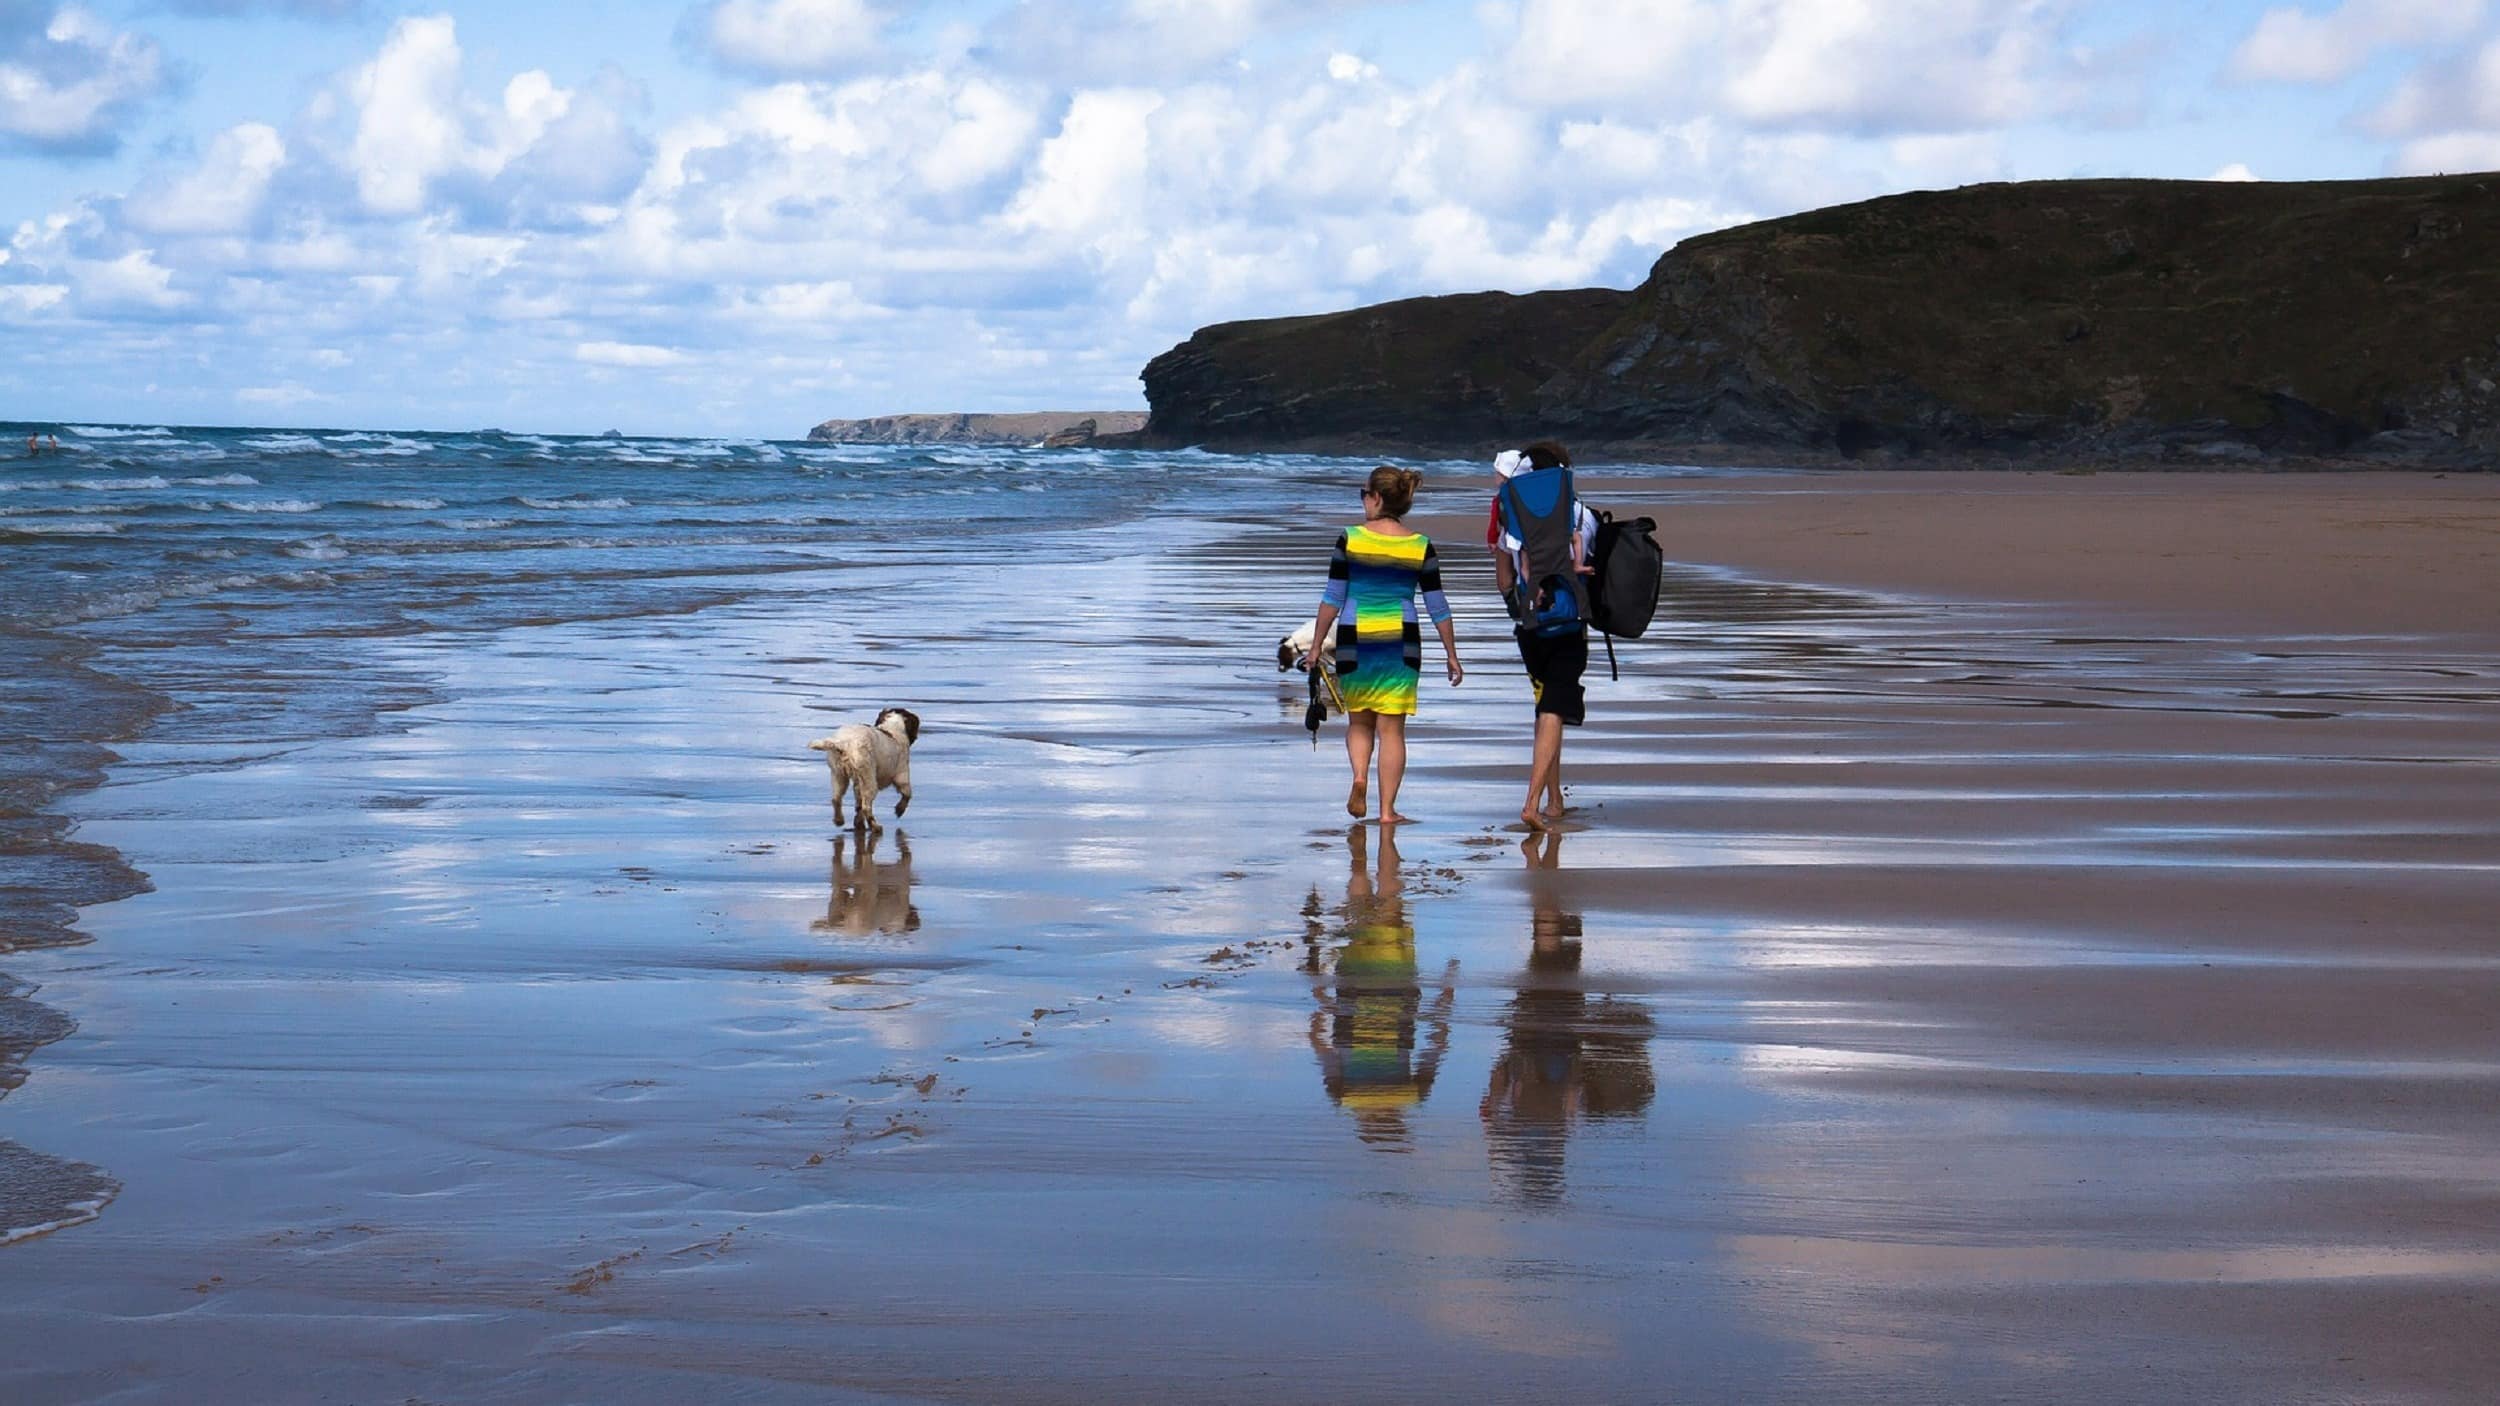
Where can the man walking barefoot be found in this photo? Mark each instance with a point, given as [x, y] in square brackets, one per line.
[1555, 658]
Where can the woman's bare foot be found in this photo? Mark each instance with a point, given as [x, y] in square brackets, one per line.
[1393, 818]
[1552, 812]
[1358, 799]
[1529, 818]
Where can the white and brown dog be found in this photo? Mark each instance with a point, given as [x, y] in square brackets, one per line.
[1294, 650]
[866, 760]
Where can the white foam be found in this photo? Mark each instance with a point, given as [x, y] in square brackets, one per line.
[63, 529]
[117, 432]
[273, 505]
[317, 551]
[478, 524]
[221, 481]
[285, 444]
[116, 485]
[414, 505]
[558, 504]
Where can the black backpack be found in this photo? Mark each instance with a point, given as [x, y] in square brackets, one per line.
[1627, 565]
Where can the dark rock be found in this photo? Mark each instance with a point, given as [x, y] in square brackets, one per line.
[1023, 428]
[2154, 319]
[1450, 370]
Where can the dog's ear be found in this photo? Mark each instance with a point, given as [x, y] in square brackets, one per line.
[911, 722]
[1284, 654]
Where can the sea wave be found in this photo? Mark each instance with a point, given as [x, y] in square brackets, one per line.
[115, 485]
[317, 549]
[287, 444]
[83, 528]
[272, 505]
[476, 524]
[413, 505]
[561, 504]
[117, 432]
[221, 481]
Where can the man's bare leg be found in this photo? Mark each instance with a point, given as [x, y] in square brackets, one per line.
[1544, 768]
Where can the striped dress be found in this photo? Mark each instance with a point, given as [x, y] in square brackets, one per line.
[1373, 579]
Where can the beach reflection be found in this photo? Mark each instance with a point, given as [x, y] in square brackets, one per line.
[1564, 1057]
[871, 896]
[1366, 1031]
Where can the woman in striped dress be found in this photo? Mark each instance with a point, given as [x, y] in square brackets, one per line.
[1374, 575]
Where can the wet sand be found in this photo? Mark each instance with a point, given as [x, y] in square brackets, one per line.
[1981, 966]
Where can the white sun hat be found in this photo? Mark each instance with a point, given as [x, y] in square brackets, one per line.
[1509, 462]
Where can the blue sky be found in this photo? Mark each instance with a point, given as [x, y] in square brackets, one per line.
[744, 216]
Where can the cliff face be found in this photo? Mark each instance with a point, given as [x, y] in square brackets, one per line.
[1061, 426]
[1454, 369]
[2181, 319]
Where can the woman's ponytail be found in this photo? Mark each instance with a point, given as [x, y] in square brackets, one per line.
[1395, 488]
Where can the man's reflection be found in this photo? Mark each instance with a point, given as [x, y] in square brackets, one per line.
[1564, 1057]
[1365, 1032]
[870, 895]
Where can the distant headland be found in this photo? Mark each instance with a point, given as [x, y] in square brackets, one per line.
[1053, 428]
[2187, 322]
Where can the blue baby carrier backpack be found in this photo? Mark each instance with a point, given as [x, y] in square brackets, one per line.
[1539, 509]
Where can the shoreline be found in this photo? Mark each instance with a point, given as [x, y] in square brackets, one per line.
[1722, 454]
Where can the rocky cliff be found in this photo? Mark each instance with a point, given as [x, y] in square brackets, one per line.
[2167, 319]
[1063, 428]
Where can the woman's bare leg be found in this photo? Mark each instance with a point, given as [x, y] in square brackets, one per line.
[1359, 728]
[1392, 765]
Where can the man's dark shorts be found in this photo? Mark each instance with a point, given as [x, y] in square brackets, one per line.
[1555, 663]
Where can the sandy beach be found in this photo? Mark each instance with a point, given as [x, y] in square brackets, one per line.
[2020, 937]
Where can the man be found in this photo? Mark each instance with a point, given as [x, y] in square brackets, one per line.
[1554, 662]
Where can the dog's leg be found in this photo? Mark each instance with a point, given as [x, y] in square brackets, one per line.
[834, 764]
[864, 800]
[902, 789]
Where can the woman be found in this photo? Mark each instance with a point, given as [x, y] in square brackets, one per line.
[1373, 577]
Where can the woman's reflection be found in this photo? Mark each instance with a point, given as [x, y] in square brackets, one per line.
[1365, 1032]
[1564, 1057]
[870, 895]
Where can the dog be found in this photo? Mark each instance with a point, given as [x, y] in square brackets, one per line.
[1294, 650]
[866, 759]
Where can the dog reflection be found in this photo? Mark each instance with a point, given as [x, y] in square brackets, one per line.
[1365, 1031]
[1564, 1056]
[870, 895]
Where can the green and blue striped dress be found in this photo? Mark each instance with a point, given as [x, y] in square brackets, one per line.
[1373, 580]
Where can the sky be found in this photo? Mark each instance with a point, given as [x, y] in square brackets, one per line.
[740, 217]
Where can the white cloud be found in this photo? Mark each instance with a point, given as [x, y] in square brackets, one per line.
[791, 36]
[2300, 46]
[221, 194]
[632, 354]
[281, 396]
[2237, 171]
[2458, 93]
[1903, 66]
[64, 87]
[408, 125]
[1596, 52]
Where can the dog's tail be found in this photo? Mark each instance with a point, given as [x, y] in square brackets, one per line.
[821, 744]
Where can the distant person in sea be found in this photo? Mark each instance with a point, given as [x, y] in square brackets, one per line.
[56, 443]
[1555, 652]
[34, 446]
[1375, 572]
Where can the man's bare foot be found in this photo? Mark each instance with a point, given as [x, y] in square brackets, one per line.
[1358, 799]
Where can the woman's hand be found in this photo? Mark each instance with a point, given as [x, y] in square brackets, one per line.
[1456, 673]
